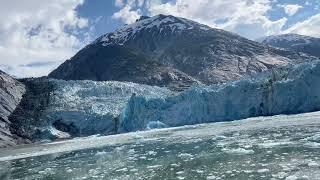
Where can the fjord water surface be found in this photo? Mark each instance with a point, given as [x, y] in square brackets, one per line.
[279, 147]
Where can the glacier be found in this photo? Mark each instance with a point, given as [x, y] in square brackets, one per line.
[93, 107]
[82, 108]
[290, 90]
[85, 108]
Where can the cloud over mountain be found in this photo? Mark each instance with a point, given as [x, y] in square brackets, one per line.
[38, 31]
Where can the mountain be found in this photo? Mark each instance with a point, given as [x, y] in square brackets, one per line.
[296, 42]
[100, 63]
[11, 92]
[173, 52]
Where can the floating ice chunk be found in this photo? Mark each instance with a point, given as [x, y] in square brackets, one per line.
[154, 166]
[156, 125]
[199, 171]
[174, 165]
[211, 177]
[238, 151]
[263, 170]
[313, 164]
[186, 156]
[312, 145]
[273, 144]
[292, 177]
[101, 153]
[122, 170]
[152, 153]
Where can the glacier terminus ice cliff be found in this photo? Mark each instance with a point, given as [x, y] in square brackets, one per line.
[290, 90]
[84, 108]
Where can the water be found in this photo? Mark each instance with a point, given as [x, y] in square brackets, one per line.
[280, 147]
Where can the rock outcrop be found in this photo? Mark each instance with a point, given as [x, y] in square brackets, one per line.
[11, 92]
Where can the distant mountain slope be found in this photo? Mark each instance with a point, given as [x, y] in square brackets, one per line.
[182, 50]
[118, 63]
[300, 43]
[11, 92]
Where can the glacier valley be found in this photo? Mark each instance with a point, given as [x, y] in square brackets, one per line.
[83, 108]
[278, 147]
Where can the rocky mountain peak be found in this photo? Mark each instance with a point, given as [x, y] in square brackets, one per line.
[142, 18]
[157, 25]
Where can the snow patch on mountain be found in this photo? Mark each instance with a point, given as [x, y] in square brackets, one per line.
[160, 22]
[292, 38]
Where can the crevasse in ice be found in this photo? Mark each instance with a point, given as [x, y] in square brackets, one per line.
[288, 90]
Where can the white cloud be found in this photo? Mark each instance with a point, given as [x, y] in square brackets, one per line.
[130, 11]
[127, 15]
[119, 3]
[231, 15]
[38, 31]
[309, 27]
[291, 9]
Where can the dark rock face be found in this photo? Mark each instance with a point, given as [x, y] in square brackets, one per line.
[174, 52]
[29, 112]
[299, 43]
[108, 63]
[11, 92]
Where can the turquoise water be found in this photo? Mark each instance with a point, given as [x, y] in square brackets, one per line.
[280, 147]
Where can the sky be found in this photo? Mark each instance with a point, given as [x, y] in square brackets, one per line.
[36, 36]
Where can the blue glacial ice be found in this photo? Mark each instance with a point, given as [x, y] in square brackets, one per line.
[84, 108]
[288, 90]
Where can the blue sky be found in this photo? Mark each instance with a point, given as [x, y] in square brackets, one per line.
[36, 36]
[104, 11]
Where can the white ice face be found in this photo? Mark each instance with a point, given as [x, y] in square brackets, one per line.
[286, 91]
[92, 107]
[115, 107]
[100, 97]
